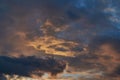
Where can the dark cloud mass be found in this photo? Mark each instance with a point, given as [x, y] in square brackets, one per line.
[27, 66]
[85, 33]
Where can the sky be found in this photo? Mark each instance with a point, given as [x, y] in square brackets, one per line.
[82, 37]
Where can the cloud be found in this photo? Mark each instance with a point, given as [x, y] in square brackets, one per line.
[110, 38]
[106, 49]
[28, 66]
[75, 21]
[60, 27]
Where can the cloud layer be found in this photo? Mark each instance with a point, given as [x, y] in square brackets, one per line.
[30, 66]
[79, 31]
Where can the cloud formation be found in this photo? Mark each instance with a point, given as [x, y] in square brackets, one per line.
[106, 49]
[61, 28]
[29, 66]
[75, 21]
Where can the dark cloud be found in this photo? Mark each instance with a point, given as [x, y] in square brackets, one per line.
[27, 66]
